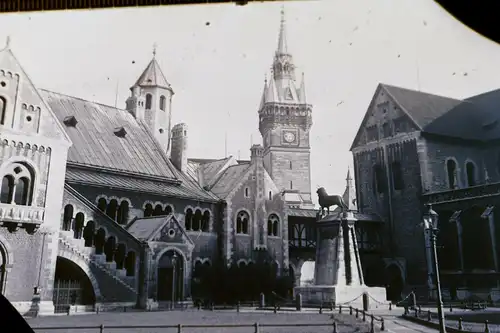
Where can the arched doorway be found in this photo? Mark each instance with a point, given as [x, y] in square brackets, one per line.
[394, 283]
[170, 278]
[72, 286]
[307, 273]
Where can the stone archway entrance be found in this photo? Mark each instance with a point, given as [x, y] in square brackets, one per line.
[72, 286]
[394, 282]
[170, 278]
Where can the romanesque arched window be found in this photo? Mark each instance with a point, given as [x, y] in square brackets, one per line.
[470, 168]
[67, 217]
[273, 223]
[102, 204]
[205, 221]
[451, 168]
[123, 209]
[112, 208]
[149, 101]
[18, 184]
[197, 220]
[148, 210]
[3, 108]
[242, 220]
[162, 102]
[188, 219]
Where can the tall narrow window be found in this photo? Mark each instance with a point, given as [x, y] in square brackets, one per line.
[379, 178]
[162, 103]
[397, 176]
[451, 168]
[7, 189]
[471, 173]
[149, 101]
[242, 220]
[247, 192]
[22, 191]
[3, 106]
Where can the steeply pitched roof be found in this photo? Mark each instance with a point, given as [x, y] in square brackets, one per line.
[186, 189]
[422, 107]
[229, 179]
[207, 171]
[153, 76]
[157, 228]
[96, 144]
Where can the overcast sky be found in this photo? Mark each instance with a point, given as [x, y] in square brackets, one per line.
[216, 57]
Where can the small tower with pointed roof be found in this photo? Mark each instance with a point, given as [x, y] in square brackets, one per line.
[150, 101]
[284, 123]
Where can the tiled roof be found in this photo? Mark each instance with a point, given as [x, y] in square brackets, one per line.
[303, 212]
[96, 144]
[109, 180]
[207, 171]
[422, 107]
[152, 76]
[145, 228]
[229, 179]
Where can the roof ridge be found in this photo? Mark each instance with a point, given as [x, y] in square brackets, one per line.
[83, 99]
[419, 92]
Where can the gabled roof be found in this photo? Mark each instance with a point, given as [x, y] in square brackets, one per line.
[153, 76]
[229, 179]
[96, 145]
[206, 172]
[149, 228]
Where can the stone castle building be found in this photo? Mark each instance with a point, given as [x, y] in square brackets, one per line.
[415, 148]
[103, 205]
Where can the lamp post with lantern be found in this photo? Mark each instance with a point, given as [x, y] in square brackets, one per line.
[174, 262]
[430, 224]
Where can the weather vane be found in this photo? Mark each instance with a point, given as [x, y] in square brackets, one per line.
[154, 49]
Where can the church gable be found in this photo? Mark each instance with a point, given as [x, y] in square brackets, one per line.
[159, 229]
[22, 108]
[384, 118]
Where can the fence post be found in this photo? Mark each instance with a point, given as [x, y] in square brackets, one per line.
[332, 306]
[416, 313]
[334, 327]
[486, 327]
[460, 325]
[382, 324]
[256, 326]
[451, 307]
[350, 310]
[179, 328]
[357, 313]
[390, 306]
[429, 315]
[101, 328]
[275, 308]
[321, 308]
[340, 308]
[406, 310]
[298, 302]
[372, 324]
[262, 300]
[238, 306]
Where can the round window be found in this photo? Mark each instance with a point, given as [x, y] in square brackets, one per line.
[171, 233]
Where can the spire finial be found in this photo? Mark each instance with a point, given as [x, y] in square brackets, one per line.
[348, 178]
[282, 47]
[265, 78]
[7, 42]
[154, 49]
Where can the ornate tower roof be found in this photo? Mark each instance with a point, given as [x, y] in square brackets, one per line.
[153, 76]
[282, 87]
[350, 192]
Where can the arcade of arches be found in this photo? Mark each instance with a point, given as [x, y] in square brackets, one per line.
[97, 239]
[71, 286]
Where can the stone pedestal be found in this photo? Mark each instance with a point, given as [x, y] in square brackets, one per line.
[338, 277]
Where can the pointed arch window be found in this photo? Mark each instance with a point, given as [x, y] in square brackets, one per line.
[3, 107]
[149, 101]
[162, 102]
[451, 168]
[470, 168]
[17, 185]
[397, 176]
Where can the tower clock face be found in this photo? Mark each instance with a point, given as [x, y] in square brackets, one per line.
[289, 137]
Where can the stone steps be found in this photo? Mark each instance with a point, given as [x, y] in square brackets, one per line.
[88, 255]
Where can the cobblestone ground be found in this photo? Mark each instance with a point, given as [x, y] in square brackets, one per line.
[345, 323]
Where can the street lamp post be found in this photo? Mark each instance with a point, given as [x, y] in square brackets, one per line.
[174, 261]
[431, 219]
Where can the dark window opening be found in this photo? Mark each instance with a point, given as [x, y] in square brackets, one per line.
[162, 103]
[397, 176]
[471, 174]
[149, 101]
[451, 168]
[3, 107]
[379, 178]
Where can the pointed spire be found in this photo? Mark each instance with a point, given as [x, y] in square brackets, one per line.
[302, 90]
[153, 75]
[282, 45]
[350, 192]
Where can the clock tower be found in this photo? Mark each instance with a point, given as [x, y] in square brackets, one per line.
[285, 120]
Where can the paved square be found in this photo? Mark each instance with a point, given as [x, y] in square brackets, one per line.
[345, 323]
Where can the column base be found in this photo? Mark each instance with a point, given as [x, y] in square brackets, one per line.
[341, 295]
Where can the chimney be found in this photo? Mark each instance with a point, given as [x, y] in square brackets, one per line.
[178, 153]
[257, 153]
